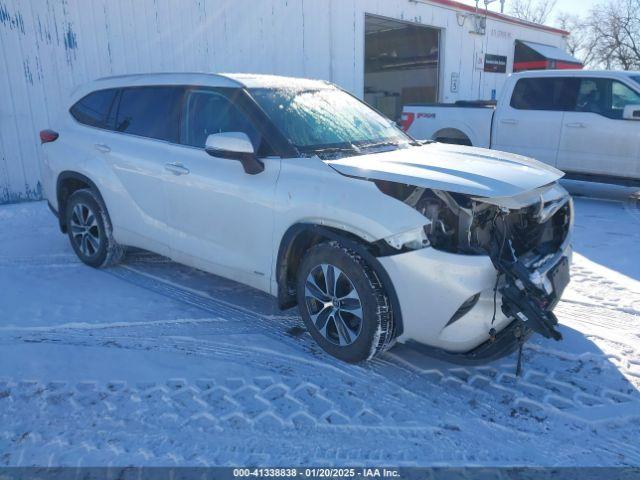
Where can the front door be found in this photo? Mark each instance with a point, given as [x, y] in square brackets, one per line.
[221, 217]
[595, 138]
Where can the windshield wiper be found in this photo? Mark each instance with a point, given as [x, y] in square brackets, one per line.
[380, 144]
[333, 150]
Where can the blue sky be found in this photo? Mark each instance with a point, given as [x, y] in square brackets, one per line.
[571, 6]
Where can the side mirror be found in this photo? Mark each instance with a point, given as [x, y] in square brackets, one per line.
[234, 146]
[631, 112]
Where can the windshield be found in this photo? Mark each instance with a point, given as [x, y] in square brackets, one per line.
[328, 121]
[635, 78]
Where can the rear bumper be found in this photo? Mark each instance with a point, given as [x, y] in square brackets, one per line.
[432, 285]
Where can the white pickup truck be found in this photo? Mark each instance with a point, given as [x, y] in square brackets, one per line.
[585, 123]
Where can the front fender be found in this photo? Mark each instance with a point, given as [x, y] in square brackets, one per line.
[310, 191]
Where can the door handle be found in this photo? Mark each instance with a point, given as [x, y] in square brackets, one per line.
[101, 147]
[509, 121]
[176, 168]
[576, 125]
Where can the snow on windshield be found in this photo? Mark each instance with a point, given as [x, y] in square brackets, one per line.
[322, 119]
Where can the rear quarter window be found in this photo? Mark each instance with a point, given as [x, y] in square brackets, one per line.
[93, 109]
[152, 112]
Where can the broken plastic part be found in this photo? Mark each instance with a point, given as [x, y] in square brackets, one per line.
[521, 235]
[466, 225]
[525, 294]
[413, 239]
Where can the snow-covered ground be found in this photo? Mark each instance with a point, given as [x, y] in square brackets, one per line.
[152, 363]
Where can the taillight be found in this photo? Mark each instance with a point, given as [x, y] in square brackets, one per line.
[406, 120]
[47, 136]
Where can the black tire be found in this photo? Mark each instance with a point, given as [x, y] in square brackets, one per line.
[375, 328]
[93, 242]
[454, 141]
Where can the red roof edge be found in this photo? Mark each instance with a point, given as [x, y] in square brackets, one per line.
[496, 15]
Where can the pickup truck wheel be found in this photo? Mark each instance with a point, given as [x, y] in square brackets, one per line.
[89, 229]
[343, 303]
[454, 141]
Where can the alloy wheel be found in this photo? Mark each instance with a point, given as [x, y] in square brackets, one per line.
[333, 304]
[85, 230]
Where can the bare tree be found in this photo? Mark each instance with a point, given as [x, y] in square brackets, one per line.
[615, 26]
[537, 11]
[582, 41]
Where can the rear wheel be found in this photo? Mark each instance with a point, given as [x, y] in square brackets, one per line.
[343, 303]
[89, 230]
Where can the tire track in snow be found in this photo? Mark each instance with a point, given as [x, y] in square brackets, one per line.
[504, 387]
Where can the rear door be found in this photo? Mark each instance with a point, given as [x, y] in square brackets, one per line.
[595, 138]
[144, 140]
[530, 123]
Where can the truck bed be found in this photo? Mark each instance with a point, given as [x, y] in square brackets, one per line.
[465, 123]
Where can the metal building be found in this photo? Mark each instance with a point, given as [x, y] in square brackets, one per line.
[386, 51]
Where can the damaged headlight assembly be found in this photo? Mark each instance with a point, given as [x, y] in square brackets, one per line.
[449, 218]
[523, 236]
[413, 239]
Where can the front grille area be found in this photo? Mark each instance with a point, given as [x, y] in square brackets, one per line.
[528, 234]
[524, 230]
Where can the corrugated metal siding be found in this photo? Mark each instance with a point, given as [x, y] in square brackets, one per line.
[49, 46]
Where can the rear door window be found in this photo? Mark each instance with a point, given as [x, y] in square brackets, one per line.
[94, 109]
[152, 112]
[555, 94]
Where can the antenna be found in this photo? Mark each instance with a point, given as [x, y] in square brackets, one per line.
[489, 2]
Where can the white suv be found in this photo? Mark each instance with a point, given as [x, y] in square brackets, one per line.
[298, 189]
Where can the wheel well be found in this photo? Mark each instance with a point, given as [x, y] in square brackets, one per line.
[452, 135]
[68, 183]
[301, 237]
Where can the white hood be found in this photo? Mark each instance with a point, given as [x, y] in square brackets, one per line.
[452, 168]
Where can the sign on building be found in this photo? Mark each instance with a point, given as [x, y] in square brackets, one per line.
[495, 63]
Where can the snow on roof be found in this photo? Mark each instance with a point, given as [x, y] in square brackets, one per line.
[253, 80]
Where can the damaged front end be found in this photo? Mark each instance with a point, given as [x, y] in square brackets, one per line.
[525, 236]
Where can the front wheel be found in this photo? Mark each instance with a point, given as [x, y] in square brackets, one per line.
[343, 303]
[89, 229]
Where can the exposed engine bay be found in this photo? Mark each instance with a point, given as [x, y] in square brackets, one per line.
[524, 237]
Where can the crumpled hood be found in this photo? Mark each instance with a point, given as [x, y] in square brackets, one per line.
[453, 168]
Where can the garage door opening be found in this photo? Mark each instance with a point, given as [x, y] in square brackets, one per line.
[400, 64]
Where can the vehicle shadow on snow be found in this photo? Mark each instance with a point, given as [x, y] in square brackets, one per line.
[607, 225]
[571, 379]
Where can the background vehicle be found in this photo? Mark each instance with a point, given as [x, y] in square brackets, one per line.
[582, 122]
[299, 189]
